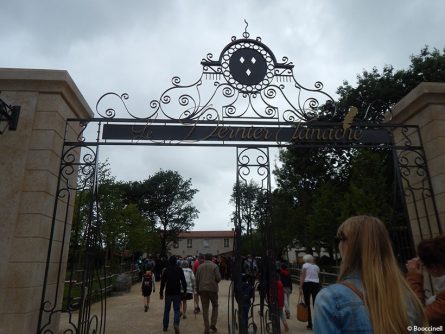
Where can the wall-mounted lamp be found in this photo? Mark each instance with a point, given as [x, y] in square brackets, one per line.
[9, 117]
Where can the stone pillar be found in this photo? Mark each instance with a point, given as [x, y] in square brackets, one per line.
[424, 106]
[29, 168]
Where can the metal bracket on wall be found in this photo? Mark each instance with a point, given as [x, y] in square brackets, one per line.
[8, 115]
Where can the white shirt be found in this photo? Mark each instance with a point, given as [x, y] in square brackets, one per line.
[439, 286]
[189, 279]
[311, 274]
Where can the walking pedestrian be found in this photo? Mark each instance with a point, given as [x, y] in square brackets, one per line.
[198, 261]
[244, 295]
[280, 295]
[191, 289]
[148, 285]
[172, 280]
[250, 268]
[309, 284]
[287, 287]
[207, 279]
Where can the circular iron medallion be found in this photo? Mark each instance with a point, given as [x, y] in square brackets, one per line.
[247, 66]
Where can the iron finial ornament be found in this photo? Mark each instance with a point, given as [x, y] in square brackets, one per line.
[245, 33]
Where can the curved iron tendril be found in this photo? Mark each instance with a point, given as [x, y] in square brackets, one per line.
[245, 33]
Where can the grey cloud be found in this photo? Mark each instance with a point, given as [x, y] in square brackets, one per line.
[137, 47]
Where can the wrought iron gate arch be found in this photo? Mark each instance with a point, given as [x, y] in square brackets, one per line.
[246, 71]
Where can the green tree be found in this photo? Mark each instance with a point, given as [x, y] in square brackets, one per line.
[377, 91]
[370, 185]
[252, 215]
[104, 214]
[140, 233]
[246, 195]
[304, 171]
[165, 198]
[322, 222]
[284, 222]
[325, 186]
[88, 219]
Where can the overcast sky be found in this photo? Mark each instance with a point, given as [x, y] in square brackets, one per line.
[136, 47]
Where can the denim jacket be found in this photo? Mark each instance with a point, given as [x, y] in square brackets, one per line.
[339, 310]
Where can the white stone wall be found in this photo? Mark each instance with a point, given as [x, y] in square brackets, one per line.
[424, 106]
[29, 165]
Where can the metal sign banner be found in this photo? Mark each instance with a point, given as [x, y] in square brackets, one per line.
[219, 133]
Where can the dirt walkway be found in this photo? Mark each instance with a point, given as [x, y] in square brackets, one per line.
[125, 314]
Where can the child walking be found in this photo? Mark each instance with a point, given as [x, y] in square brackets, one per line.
[280, 291]
[147, 287]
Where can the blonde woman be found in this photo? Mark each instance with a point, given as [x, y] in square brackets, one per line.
[372, 295]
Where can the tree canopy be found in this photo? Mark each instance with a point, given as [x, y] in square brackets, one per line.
[137, 217]
[165, 198]
[377, 91]
[102, 210]
[323, 186]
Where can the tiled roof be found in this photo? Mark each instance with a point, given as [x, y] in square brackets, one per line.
[207, 234]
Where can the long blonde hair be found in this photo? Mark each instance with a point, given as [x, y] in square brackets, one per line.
[368, 251]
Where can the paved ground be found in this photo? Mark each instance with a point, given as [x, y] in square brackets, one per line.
[125, 314]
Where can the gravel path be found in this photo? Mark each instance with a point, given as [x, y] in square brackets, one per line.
[125, 314]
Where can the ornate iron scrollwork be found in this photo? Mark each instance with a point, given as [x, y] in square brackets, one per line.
[243, 96]
[77, 173]
[253, 164]
[244, 82]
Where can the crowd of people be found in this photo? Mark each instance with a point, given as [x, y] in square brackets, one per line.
[372, 294]
[156, 264]
[182, 280]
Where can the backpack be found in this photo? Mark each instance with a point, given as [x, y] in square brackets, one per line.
[148, 280]
[245, 293]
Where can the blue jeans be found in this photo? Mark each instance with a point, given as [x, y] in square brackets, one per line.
[245, 317]
[176, 300]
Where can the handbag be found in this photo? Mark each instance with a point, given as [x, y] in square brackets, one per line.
[302, 311]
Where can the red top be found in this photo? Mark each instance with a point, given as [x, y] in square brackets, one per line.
[195, 265]
[280, 294]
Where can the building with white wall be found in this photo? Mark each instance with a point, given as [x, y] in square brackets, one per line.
[194, 243]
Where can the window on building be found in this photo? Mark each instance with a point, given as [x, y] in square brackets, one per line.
[175, 245]
[189, 243]
[205, 243]
[226, 242]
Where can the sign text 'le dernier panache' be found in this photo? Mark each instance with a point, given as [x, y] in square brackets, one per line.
[298, 132]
